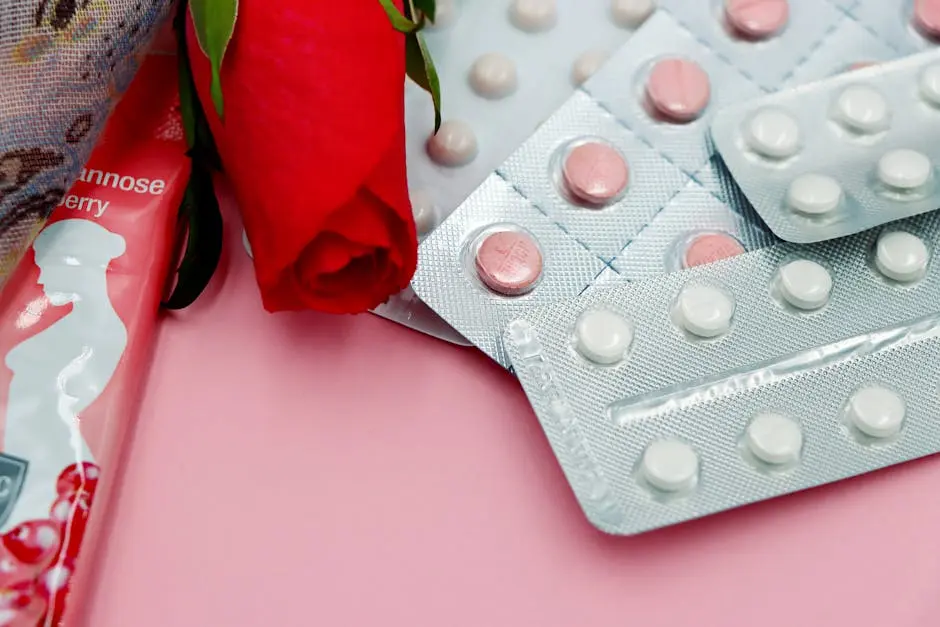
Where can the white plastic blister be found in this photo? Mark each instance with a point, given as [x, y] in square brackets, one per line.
[771, 372]
[840, 155]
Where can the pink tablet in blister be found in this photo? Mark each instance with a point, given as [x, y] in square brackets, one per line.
[926, 17]
[709, 248]
[509, 262]
[677, 89]
[757, 19]
[77, 320]
[595, 172]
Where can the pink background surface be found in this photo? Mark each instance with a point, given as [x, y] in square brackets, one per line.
[301, 469]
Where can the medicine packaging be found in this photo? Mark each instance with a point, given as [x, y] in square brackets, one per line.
[504, 67]
[770, 372]
[587, 188]
[839, 155]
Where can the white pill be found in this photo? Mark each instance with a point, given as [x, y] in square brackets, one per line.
[904, 169]
[493, 76]
[454, 145]
[631, 13]
[805, 284]
[424, 211]
[670, 465]
[774, 438]
[704, 310]
[603, 336]
[862, 108]
[445, 14]
[814, 194]
[533, 16]
[876, 411]
[901, 256]
[247, 244]
[930, 84]
[773, 133]
[586, 65]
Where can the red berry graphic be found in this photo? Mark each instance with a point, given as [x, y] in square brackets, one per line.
[53, 586]
[71, 514]
[78, 477]
[21, 606]
[33, 542]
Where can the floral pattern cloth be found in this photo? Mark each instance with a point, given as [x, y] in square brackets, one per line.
[63, 65]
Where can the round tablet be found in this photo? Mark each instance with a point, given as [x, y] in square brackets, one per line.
[709, 248]
[424, 211]
[585, 66]
[493, 76]
[927, 17]
[901, 256]
[631, 13]
[445, 14]
[595, 172]
[805, 284]
[757, 19]
[814, 194]
[774, 438]
[704, 310]
[876, 411]
[509, 262]
[930, 84]
[861, 108]
[904, 169]
[533, 16]
[455, 144]
[773, 133]
[670, 465]
[603, 336]
[678, 89]
[247, 244]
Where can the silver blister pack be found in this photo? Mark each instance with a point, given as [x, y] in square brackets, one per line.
[766, 41]
[504, 67]
[448, 280]
[908, 25]
[850, 46]
[665, 85]
[662, 404]
[694, 228]
[840, 155]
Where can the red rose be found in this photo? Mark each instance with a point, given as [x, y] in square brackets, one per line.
[313, 141]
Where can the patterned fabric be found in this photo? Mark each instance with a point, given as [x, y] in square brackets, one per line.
[63, 64]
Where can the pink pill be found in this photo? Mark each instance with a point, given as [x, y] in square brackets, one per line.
[927, 17]
[757, 19]
[509, 262]
[678, 89]
[709, 248]
[595, 172]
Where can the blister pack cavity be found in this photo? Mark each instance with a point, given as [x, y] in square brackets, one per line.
[840, 155]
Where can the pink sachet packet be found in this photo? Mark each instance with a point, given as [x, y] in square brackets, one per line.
[77, 321]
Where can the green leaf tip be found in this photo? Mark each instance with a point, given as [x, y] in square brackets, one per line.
[399, 22]
[420, 67]
[214, 21]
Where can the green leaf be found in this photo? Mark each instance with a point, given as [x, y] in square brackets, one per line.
[399, 22]
[201, 221]
[428, 7]
[215, 22]
[196, 127]
[420, 68]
